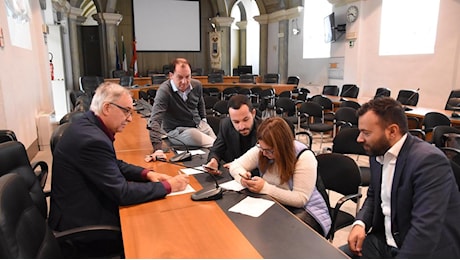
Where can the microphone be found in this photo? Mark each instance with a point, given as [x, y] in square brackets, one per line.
[209, 194]
[409, 99]
[180, 157]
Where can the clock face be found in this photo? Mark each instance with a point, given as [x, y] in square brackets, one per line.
[352, 13]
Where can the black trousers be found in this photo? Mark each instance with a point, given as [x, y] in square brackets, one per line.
[374, 246]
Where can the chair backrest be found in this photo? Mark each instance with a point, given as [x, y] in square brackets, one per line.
[350, 103]
[438, 138]
[119, 73]
[346, 117]
[453, 102]
[332, 90]
[89, 84]
[215, 78]
[221, 108]
[344, 142]
[349, 90]
[126, 81]
[286, 93]
[271, 78]
[73, 95]
[313, 110]
[247, 78]
[7, 135]
[382, 92]
[166, 69]
[408, 97]
[325, 102]
[158, 79]
[228, 92]
[433, 119]
[13, 158]
[197, 71]
[285, 106]
[24, 232]
[293, 80]
[339, 173]
[209, 101]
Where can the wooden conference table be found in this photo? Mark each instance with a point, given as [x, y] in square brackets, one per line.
[177, 227]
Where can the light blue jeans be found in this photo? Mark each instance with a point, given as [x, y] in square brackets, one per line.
[201, 136]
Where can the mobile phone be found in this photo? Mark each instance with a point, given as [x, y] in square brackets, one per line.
[209, 168]
[245, 177]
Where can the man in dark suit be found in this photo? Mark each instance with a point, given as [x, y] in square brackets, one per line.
[413, 203]
[89, 183]
[237, 132]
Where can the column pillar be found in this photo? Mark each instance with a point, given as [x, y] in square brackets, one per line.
[223, 24]
[263, 59]
[75, 19]
[242, 55]
[108, 30]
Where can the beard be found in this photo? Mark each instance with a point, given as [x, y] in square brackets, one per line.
[380, 147]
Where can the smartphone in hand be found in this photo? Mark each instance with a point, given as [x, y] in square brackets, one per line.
[211, 169]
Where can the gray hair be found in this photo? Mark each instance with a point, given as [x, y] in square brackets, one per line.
[107, 92]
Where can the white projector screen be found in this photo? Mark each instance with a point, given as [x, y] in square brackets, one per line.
[167, 25]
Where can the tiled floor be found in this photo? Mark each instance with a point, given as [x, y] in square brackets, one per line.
[340, 236]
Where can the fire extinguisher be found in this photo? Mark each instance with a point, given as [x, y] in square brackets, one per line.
[51, 66]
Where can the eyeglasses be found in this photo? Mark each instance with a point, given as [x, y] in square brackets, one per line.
[127, 111]
[268, 151]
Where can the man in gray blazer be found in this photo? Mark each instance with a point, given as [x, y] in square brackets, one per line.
[413, 202]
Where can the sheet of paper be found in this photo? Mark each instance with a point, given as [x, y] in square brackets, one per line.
[191, 171]
[188, 189]
[253, 207]
[192, 152]
[232, 185]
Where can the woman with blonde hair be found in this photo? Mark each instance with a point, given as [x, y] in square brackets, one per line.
[288, 173]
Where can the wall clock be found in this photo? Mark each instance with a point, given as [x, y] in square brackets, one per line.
[352, 13]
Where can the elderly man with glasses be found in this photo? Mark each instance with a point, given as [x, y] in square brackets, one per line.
[89, 183]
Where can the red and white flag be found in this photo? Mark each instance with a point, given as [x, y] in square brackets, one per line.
[134, 60]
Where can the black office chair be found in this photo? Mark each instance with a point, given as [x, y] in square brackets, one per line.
[126, 81]
[73, 95]
[340, 174]
[158, 79]
[23, 228]
[440, 134]
[89, 84]
[346, 117]
[328, 107]
[331, 90]
[345, 143]
[314, 115]
[247, 78]
[220, 108]
[408, 97]
[349, 90]
[453, 102]
[431, 120]
[350, 103]
[197, 71]
[209, 102]
[71, 116]
[267, 102]
[215, 78]
[382, 92]
[271, 78]
[7, 135]
[119, 73]
[454, 157]
[228, 92]
[293, 80]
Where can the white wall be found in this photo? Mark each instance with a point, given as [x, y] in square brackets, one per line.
[436, 75]
[25, 87]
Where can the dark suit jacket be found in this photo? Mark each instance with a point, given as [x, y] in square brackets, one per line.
[89, 183]
[425, 203]
[227, 145]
